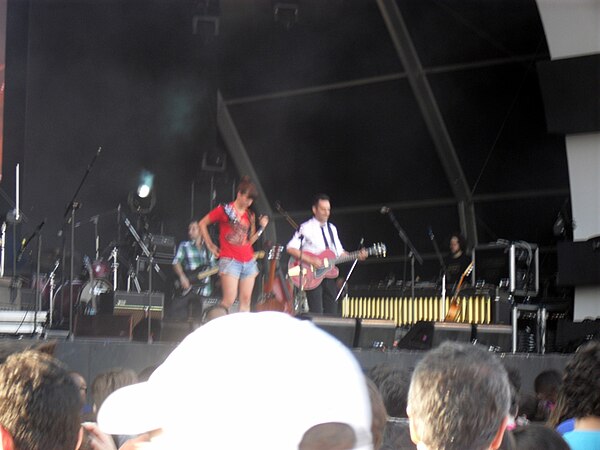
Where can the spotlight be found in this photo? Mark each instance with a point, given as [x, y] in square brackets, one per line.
[145, 185]
[142, 200]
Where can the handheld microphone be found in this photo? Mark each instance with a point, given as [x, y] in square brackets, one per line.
[384, 210]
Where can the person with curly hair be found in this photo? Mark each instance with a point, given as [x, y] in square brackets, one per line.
[579, 398]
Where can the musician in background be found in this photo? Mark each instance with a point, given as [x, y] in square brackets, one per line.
[237, 233]
[458, 260]
[319, 235]
[192, 255]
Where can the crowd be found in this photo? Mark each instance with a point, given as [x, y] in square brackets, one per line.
[269, 381]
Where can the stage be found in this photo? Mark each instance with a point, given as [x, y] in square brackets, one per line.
[93, 356]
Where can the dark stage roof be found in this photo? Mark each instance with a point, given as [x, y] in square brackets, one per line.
[420, 105]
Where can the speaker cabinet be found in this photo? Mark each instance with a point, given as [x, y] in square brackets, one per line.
[426, 335]
[342, 329]
[136, 305]
[375, 333]
[497, 337]
[103, 326]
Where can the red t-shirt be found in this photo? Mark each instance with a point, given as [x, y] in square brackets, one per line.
[233, 236]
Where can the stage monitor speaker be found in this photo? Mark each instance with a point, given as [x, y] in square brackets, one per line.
[426, 335]
[579, 262]
[103, 326]
[136, 305]
[570, 335]
[375, 333]
[342, 329]
[497, 337]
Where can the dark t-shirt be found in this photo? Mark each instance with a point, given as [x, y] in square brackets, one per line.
[455, 267]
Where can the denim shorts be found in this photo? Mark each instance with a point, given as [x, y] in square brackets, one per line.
[237, 269]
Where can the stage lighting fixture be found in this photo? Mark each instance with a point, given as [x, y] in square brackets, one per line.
[145, 184]
[143, 199]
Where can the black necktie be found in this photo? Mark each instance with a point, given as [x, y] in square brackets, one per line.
[324, 238]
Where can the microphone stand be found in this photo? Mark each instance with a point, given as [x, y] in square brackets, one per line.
[70, 211]
[443, 269]
[38, 298]
[337, 297]
[412, 254]
[300, 302]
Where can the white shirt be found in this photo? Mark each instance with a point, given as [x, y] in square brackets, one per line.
[313, 238]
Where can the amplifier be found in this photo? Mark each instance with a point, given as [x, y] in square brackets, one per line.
[136, 305]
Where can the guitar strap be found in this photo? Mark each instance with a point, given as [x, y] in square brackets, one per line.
[233, 218]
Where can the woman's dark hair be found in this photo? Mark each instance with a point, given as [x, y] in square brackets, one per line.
[579, 394]
[247, 187]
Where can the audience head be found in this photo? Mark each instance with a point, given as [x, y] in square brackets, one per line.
[40, 403]
[394, 390]
[290, 384]
[81, 386]
[10, 346]
[537, 436]
[546, 385]
[214, 312]
[378, 412]
[579, 394]
[514, 380]
[458, 399]
[107, 382]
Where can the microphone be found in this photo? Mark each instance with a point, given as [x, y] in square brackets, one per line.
[384, 210]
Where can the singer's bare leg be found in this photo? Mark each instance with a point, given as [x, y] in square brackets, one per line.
[229, 285]
[246, 286]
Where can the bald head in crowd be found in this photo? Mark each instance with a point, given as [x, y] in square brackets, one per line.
[458, 399]
[40, 404]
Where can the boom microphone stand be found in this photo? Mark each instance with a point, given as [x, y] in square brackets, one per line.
[70, 213]
[443, 269]
[337, 297]
[412, 254]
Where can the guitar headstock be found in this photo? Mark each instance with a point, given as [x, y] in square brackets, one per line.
[378, 249]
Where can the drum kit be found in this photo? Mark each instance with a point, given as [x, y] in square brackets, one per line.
[85, 290]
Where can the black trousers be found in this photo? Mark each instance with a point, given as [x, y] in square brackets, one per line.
[187, 307]
[321, 300]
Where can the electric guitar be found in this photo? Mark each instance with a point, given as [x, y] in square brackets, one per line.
[197, 275]
[313, 276]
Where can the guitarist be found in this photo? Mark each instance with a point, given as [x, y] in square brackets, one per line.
[192, 255]
[319, 235]
[458, 260]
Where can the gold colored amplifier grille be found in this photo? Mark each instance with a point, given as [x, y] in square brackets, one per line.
[404, 311]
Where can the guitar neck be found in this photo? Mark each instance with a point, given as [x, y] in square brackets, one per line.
[345, 258]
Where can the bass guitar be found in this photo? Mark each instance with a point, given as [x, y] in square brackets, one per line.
[200, 274]
[454, 311]
[313, 276]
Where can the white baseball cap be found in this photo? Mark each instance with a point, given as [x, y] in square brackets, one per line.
[245, 381]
